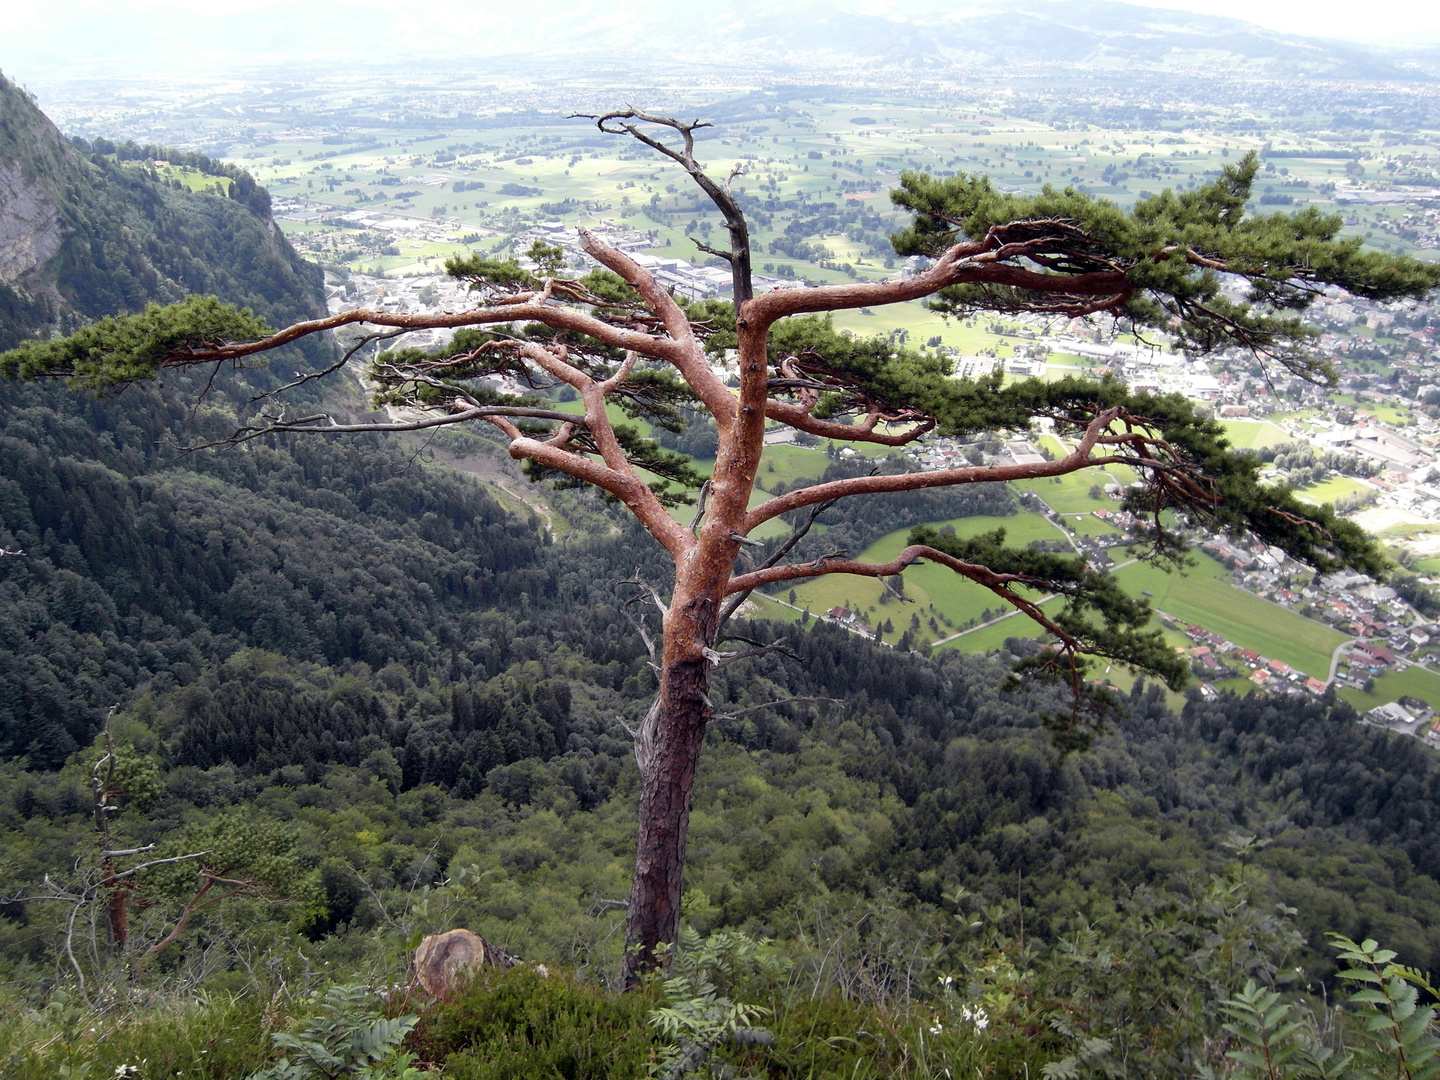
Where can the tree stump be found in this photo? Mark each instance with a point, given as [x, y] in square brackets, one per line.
[444, 962]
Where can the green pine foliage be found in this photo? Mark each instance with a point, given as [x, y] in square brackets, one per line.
[1171, 249]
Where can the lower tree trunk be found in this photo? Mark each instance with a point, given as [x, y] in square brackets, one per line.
[668, 748]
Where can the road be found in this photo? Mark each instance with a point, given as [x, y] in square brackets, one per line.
[1335, 658]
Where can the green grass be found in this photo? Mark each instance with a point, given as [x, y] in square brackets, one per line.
[1393, 685]
[1070, 494]
[1254, 434]
[992, 637]
[786, 464]
[1204, 596]
[1386, 414]
[1090, 525]
[938, 593]
[1327, 491]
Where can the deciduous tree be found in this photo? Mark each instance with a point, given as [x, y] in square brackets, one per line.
[619, 338]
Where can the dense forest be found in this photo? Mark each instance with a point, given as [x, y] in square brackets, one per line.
[401, 708]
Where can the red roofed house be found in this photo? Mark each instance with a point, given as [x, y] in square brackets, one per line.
[1376, 652]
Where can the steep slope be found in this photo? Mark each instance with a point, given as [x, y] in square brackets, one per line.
[82, 235]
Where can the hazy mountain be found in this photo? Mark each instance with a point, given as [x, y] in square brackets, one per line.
[734, 36]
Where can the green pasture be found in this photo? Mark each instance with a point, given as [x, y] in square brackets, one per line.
[1203, 595]
[921, 324]
[1327, 491]
[784, 464]
[1090, 525]
[941, 594]
[992, 637]
[1414, 681]
[1254, 434]
[1070, 494]
[1386, 413]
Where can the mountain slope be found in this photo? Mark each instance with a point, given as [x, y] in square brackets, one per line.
[82, 235]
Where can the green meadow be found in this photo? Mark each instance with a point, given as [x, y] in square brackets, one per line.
[1414, 681]
[1255, 434]
[939, 594]
[1327, 491]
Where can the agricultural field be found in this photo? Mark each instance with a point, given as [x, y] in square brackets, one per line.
[786, 464]
[1203, 595]
[1414, 681]
[943, 601]
[1327, 491]
[1078, 493]
[1255, 434]
[815, 172]
[1200, 595]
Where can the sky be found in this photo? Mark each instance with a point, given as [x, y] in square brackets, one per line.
[57, 39]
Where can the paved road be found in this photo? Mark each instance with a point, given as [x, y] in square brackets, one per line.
[1335, 658]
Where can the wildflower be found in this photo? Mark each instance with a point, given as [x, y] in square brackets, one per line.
[937, 1028]
[977, 1016]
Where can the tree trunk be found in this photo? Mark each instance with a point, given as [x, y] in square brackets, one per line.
[668, 748]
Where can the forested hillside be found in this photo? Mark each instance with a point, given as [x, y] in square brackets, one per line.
[86, 233]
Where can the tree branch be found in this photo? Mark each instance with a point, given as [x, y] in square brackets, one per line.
[917, 481]
[716, 718]
[324, 424]
[735, 602]
[798, 418]
[739, 253]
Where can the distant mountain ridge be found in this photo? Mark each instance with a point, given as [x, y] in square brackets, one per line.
[82, 236]
[738, 37]
[1088, 33]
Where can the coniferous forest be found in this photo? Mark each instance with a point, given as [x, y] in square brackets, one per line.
[385, 704]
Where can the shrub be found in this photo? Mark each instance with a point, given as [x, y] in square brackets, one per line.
[522, 1025]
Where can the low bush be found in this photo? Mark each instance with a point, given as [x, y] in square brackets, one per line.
[520, 1024]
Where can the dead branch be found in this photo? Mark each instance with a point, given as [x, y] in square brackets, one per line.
[716, 718]
[301, 378]
[720, 659]
[734, 603]
[622, 122]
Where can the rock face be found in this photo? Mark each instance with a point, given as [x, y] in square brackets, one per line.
[29, 224]
[444, 962]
